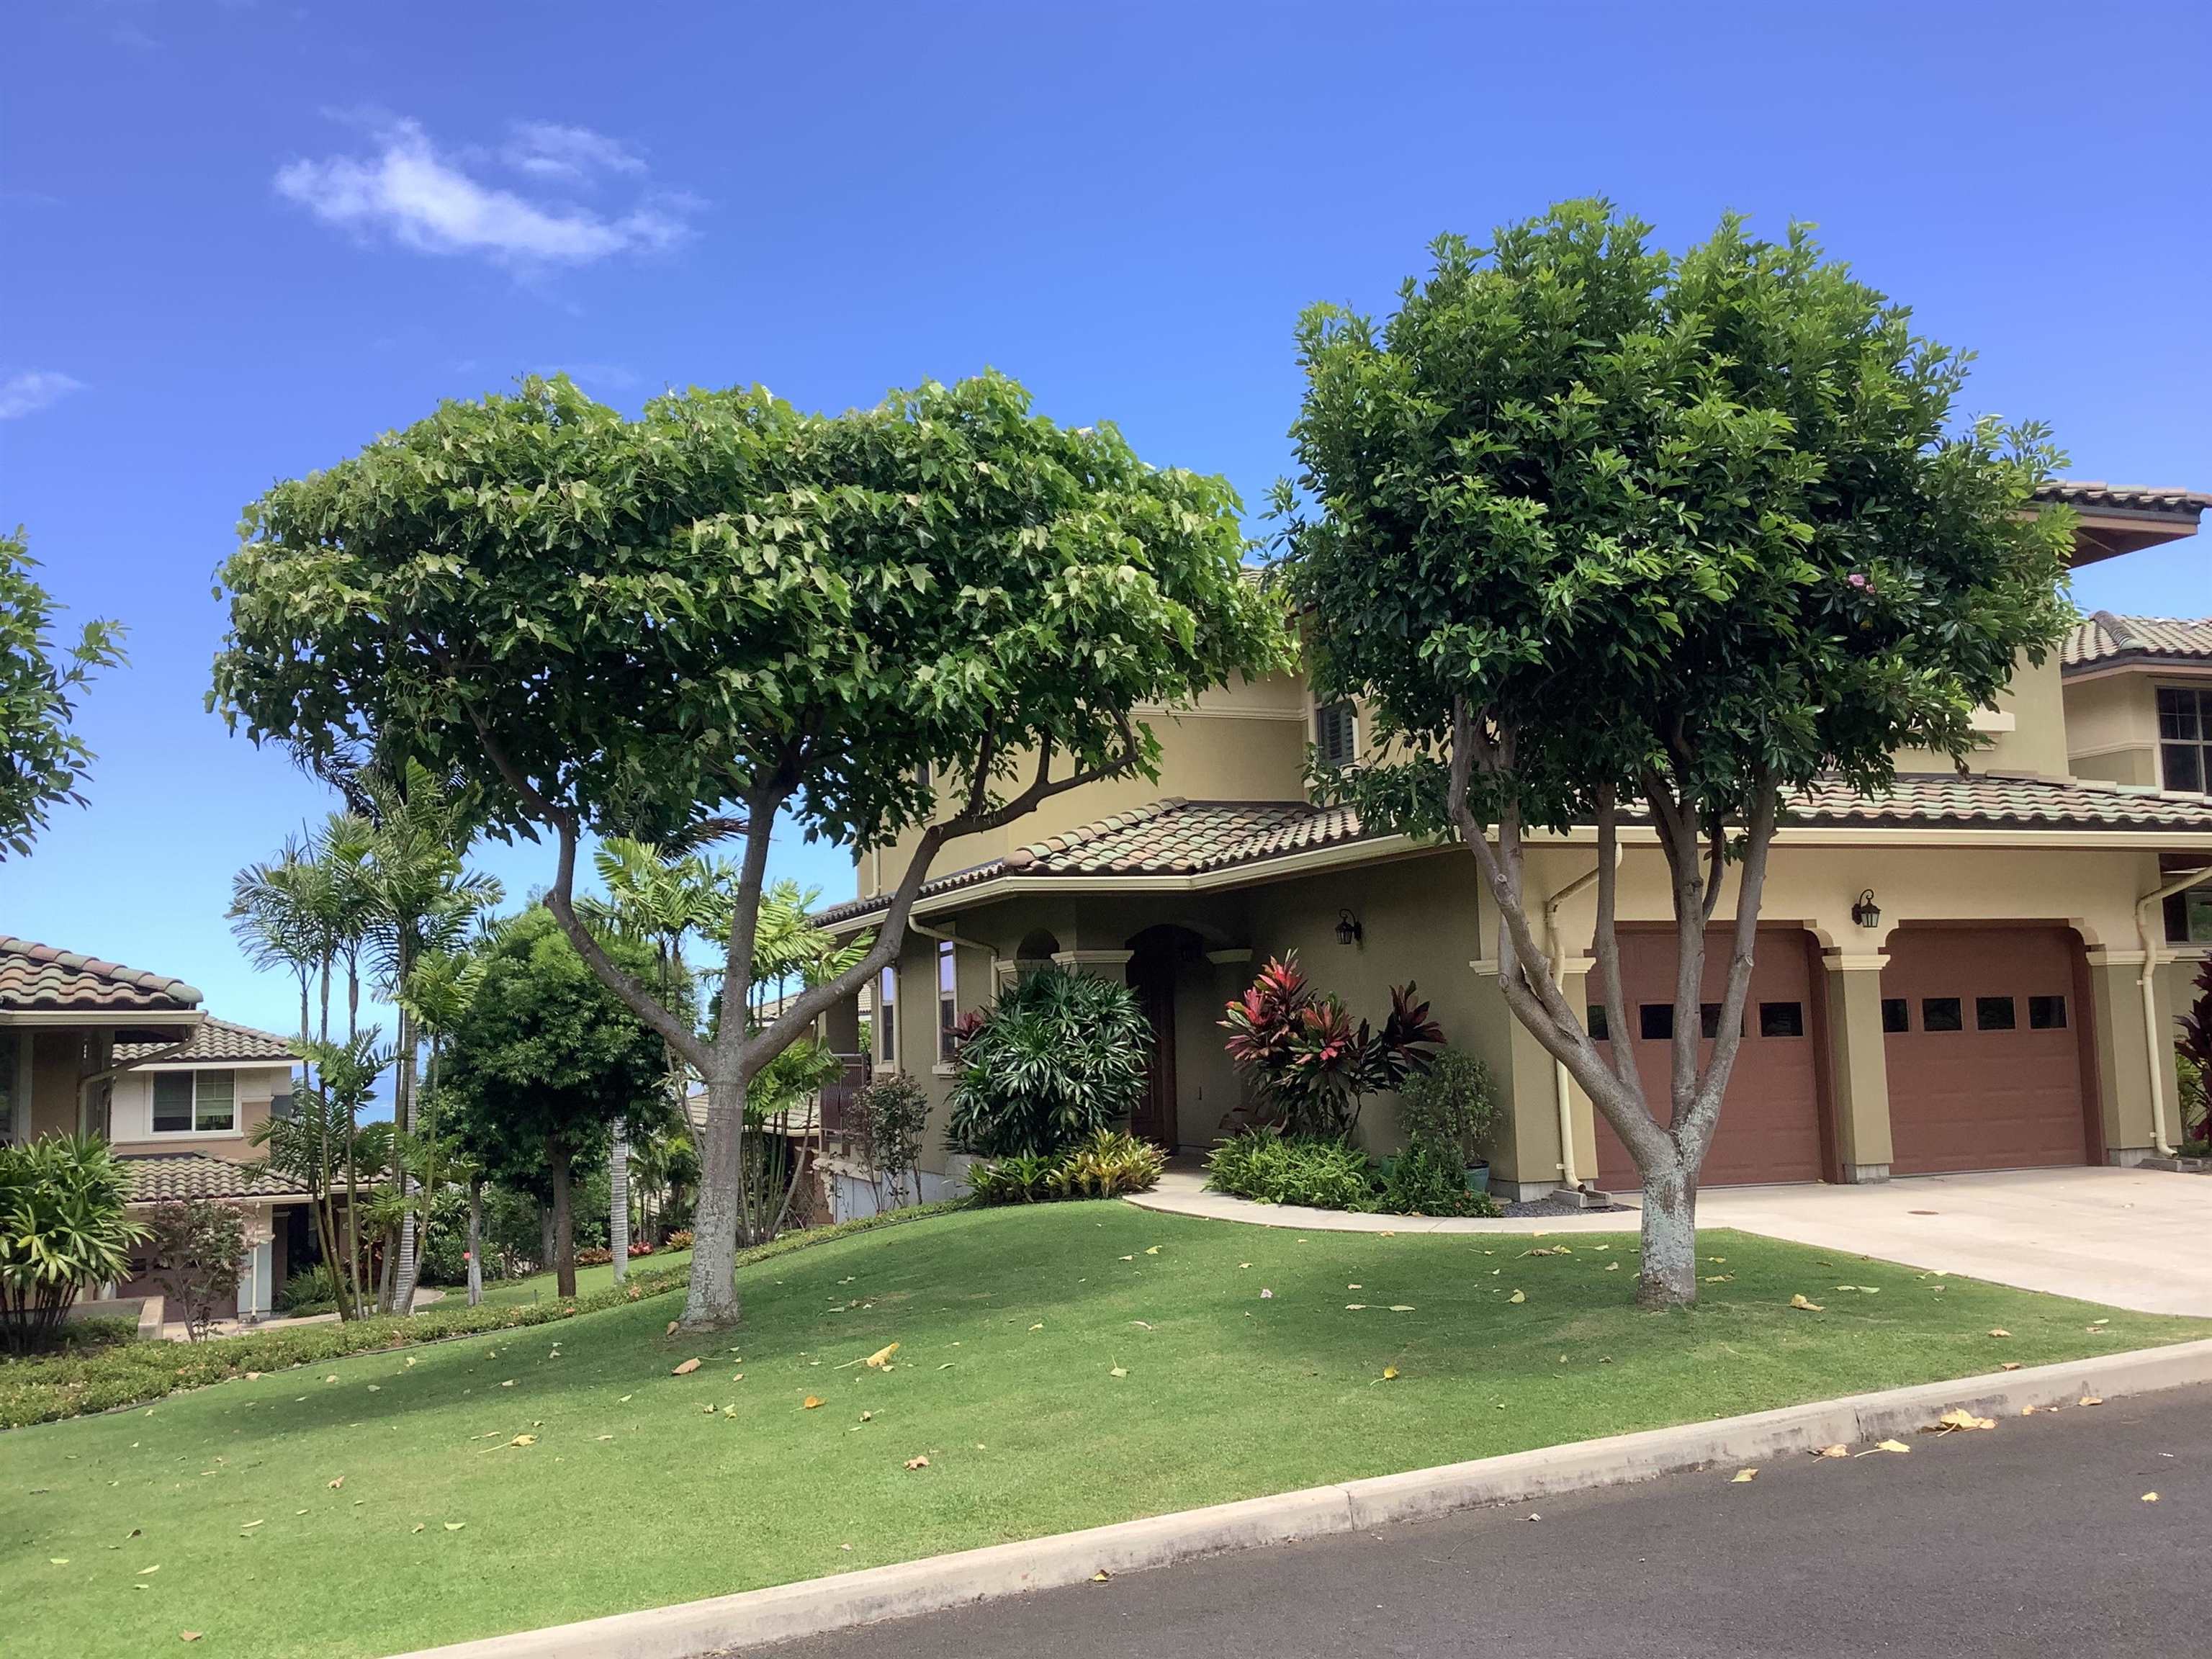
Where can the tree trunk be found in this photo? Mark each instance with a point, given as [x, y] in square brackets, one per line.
[387, 1275]
[1668, 1277]
[713, 1303]
[476, 1242]
[544, 1237]
[405, 1114]
[618, 1200]
[564, 1221]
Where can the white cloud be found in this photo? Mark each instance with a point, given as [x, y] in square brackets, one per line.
[546, 149]
[32, 390]
[428, 201]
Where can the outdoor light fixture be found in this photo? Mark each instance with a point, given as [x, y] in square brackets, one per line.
[1865, 911]
[1348, 930]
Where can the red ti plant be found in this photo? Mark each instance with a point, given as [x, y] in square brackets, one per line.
[1309, 1066]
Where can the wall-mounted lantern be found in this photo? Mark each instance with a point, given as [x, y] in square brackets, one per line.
[1865, 911]
[1348, 930]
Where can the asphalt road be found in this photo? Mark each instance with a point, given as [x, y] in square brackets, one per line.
[2032, 1539]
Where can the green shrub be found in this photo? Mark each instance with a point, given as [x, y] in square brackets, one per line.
[1024, 1178]
[1318, 1173]
[1057, 1058]
[310, 1289]
[1429, 1178]
[197, 1246]
[64, 1230]
[1107, 1165]
[1451, 1105]
[892, 1113]
[47, 1388]
[443, 1248]
[678, 1240]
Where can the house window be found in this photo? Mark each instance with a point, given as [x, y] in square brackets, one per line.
[1782, 1019]
[2189, 913]
[948, 1000]
[887, 1018]
[1994, 1014]
[1336, 734]
[195, 1102]
[2184, 736]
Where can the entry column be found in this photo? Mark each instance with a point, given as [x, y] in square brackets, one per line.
[1858, 1064]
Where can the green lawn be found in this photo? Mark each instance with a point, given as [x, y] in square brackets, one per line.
[642, 1487]
[538, 1287]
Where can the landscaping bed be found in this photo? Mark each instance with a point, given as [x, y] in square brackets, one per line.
[1058, 1366]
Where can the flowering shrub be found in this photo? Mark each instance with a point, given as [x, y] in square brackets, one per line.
[678, 1240]
[1309, 1066]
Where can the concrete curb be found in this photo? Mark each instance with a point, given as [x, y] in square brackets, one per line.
[816, 1606]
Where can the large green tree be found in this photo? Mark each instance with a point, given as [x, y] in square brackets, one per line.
[909, 623]
[1606, 536]
[44, 761]
[543, 1064]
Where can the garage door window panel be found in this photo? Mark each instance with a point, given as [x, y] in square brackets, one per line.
[1994, 1014]
[1940, 1014]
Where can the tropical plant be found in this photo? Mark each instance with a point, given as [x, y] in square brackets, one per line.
[1429, 1178]
[892, 1112]
[543, 1063]
[1318, 1173]
[312, 1289]
[928, 616]
[1017, 1178]
[319, 1147]
[1451, 1104]
[1588, 531]
[1310, 1068]
[1057, 1057]
[1108, 1165]
[63, 1229]
[2193, 1056]
[197, 1248]
[46, 762]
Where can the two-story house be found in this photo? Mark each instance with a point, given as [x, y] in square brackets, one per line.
[1973, 971]
[89, 1047]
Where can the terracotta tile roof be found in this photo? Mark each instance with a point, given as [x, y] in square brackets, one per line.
[156, 1177]
[2141, 498]
[1174, 836]
[39, 977]
[2105, 636]
[216, 1039]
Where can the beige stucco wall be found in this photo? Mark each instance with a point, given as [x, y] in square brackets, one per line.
[2035, 706]
[2112, 727]
[56, 1065]
[131, 1113]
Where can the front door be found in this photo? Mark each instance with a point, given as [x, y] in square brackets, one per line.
[1151, 977]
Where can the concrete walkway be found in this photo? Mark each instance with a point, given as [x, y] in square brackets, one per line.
[1182, 1192]
[2132, 1238]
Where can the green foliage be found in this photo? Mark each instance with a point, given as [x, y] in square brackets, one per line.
[545, 1060]
[1058, 1057]
[40, 680]
[2193, 1055]
[309, 1290]
[1452, 1104]
[443, 1246]
[892, 1112]
[64, 1230]
[1107, 1165]
[82, 1380]
[1309, 1066]
[1320, 1174]
[197, 1247]
[1704, 524]
[658, 618]
[1429, 1178]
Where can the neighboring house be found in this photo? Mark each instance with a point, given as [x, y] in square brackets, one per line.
[1969, 972]
[89, 1047]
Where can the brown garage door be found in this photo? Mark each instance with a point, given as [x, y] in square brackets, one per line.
[1770, 1128]
[1984, 1061]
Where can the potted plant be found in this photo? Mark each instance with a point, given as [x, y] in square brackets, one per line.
[1451, 1103]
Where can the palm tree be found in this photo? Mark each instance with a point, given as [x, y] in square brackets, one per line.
[417, 898]
[320, 1142]
[274, 914]
[437, 993]
[658, 900]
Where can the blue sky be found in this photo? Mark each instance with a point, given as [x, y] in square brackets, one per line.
[237, 240]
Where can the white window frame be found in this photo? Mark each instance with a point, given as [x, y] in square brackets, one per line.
[948, 1000]
[154, 1132]
[886, 1018]
[2201, 693]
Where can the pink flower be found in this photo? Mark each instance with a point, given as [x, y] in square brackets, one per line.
[1858, 578]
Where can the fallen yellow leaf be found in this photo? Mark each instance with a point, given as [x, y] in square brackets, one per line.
[881, 1356]
[1389, 1373]
[1118, 1371]
[1401, 1307]
[188, 1636]
[1959, 1418]
[1804, 1304]
[671, 1331]
[335, 1484]
[917, 1462]
[685, 1368]
[1742, 1475]
[810, 1403]
[1999, 1331]
[2009, 1365]
[2093, 1399]
[142, 1571]
[1833, 1451]
[455, 1526]
[524, 1440]
[2150, 1497]
[1152, 1250]
[1518, 1296]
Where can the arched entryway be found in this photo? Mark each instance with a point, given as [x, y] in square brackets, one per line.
[1160, 957]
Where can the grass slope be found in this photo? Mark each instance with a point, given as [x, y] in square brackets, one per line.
[540, 1287]
[640, 1488]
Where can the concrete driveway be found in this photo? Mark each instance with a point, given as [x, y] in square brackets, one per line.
[2131, 1238]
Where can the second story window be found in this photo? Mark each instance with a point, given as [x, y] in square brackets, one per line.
[948, 1001]
[886, 1013]
[195, 1102]
[2185, 738]
[1336, 733]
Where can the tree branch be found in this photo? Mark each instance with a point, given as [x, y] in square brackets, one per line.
[1606, 942]
[1696, 1132]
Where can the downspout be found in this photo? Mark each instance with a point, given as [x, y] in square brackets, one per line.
[2147, 983]
[1562, 1088]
